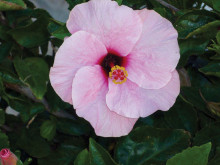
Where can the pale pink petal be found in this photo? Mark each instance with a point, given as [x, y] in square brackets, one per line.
[118, 27]
[156, 53]
[80, 49]
[130, 100]
[89, 90]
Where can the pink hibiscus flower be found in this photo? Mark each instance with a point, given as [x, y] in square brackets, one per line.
[118, 65]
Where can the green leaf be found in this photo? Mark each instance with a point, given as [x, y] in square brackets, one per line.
[211, 94]
[182, 116]
[212, 69]
[12, 5]
[32, 35]
[3, 32]
[211, 133]
[65, 153]
[4, 143]
[26, 108]
[28, 161]
[73, 127]
[208, 31]
[119, 2]
[98, 155]
[148, 145]
[34, 72]
[54, 101]
[2, 117]
[4, 50]
[134, 4]
[192, 95]
[9, 77]
[156, 120]
[216, 159]
[193, 20]
[73, 3]
[19, 162]
[216, 5]
[195, 156]
[32, 143]
[58, 29]
[190, 47]
[48, 129]
[82, 158]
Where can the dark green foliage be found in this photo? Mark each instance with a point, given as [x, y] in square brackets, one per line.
[195, 156]
[149, 145]
[45, 130]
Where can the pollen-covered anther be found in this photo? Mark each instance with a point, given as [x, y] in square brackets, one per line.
[118, 74]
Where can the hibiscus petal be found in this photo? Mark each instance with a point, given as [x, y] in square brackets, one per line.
[156, 53]
[130, 100]
[89, 90]
[80, 49]
[118, 27]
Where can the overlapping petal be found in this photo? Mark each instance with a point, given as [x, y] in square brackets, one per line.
[156, 53]
[118, 27]
[80, 49]
[88, 93]
[129, 100]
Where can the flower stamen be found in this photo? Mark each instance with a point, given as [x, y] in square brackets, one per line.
[118, 74]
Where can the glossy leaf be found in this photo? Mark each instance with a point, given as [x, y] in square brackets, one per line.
[26, 109]
[73, 3]
[216, 159]
[119, 2]
[216, 5]
[98, 155]
[32, 35]
[208, 31]
[32, 143]
[48, 129]
[73, 127]
[195, 156]
[148, 145]
[212, 69]
[82, 158]
[193, 20]
[182, 116]
[64, 154]
[34, 72]
[211, 133]
[190, 47]
[58, 29]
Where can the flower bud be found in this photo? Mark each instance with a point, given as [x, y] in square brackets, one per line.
[7, 157]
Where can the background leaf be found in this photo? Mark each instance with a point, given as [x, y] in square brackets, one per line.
[195, 155]
[34, 72]
[148, 145]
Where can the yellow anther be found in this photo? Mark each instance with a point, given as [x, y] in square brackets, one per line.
[118, 74]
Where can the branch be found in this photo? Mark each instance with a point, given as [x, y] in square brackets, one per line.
[168, 5]
[28, 93]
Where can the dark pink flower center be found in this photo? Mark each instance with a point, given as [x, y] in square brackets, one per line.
[109, 61]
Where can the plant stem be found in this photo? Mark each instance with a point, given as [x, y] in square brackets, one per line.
[28, 93]
[168, 5]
